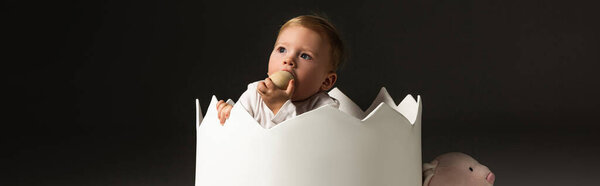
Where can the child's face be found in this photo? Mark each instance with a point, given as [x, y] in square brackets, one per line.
[306, 55]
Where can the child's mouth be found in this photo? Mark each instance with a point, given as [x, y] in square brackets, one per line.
[291, 72]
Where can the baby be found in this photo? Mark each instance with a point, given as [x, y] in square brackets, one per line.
[308, 47]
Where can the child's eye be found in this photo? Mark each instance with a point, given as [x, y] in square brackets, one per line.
[281, 50]
[305, 56]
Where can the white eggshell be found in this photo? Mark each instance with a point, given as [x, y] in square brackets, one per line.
[323, 147]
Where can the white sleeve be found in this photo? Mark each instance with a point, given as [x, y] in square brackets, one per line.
[252, 102]
[248, 99]
[287, 110]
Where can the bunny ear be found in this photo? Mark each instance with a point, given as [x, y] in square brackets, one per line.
[427, 180]
[429, 171]
[432, 165]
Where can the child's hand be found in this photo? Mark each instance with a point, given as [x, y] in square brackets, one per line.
[223, 110]
[274, 97]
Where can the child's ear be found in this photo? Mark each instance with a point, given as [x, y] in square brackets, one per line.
[329, 81]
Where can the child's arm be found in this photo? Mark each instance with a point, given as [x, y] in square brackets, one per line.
[274, 97]
[223, 110]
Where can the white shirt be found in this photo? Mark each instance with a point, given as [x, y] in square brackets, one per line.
[256, 107]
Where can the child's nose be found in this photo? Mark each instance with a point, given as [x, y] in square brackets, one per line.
[289, 61]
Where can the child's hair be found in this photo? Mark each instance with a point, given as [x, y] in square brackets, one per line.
[326, 29]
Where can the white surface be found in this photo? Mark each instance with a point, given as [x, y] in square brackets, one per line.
[325, 146]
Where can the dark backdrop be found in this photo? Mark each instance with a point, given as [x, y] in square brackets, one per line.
[104, 91]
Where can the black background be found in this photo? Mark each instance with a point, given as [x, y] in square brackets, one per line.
[103, 91]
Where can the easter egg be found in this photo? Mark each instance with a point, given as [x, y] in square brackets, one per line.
[281, 79]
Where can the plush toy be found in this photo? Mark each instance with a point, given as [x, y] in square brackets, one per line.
[456, 169]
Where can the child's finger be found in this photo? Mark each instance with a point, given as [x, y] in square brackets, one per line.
[290, 88]
[219, 114]
[227, 112]
[224, 112]
[269, 83]
[261, 88]
[221, 117]
[220, 104]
